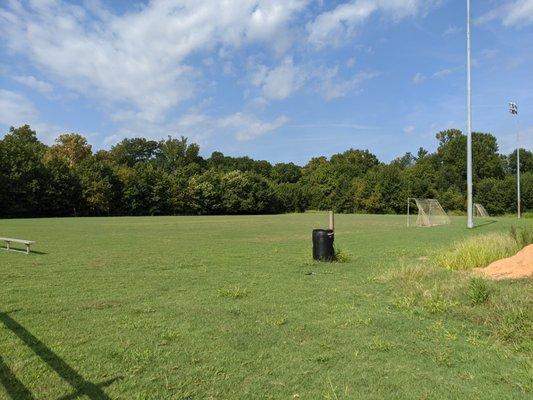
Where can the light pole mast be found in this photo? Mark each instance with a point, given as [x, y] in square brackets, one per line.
[470, 222]
[513, 109]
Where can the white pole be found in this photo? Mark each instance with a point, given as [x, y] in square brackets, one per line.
[408, 201]
[470, 222]
[513, 109]
[518, 167]
[331, 221]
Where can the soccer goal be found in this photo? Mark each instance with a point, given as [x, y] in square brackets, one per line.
[430, 212]
[479, 211]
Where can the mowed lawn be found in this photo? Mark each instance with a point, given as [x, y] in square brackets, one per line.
[232, 307]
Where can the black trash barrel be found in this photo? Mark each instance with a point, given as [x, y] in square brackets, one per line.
[323, 245]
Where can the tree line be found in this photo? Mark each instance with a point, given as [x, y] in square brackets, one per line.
[139, 176]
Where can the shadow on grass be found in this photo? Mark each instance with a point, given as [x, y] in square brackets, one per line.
[485, 223]
[22, 251]
[17, 391]
[14, 388]
[37, 252]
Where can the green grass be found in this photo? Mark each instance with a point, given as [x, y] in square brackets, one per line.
[233, 308]
[478, 251]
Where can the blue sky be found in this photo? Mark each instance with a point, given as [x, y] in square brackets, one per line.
[282, 80]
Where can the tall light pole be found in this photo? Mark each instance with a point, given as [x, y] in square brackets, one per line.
[470, 222]
[513, 109]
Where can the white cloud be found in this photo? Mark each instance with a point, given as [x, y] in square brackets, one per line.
[332, 86]
[280, 82]
[512, 13]
[452, 30]
[520, 12]
[199, 127]
[34, 83]
[443, 73]
[419, 78]
[15, 109]
[334, 26]
[351, 62]
[140, 65]
[248, 127]
[138, 61]
[409, 129]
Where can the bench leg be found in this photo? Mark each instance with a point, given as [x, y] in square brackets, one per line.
[8, 246]
[27, 249]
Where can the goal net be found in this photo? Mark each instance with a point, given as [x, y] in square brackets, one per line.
[430, 212]
[479, 211]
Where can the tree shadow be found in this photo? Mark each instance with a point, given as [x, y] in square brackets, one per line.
[16, 389]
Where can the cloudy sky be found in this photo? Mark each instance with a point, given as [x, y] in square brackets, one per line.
[282, 80]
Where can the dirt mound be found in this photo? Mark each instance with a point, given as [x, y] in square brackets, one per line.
[515, 267]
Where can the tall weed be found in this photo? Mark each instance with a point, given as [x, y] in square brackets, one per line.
[478, 291]
[522, 236]
[478, 251]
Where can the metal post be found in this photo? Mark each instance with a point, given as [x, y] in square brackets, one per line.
[331, 221]
[518, 175]
[470, 222]
[513, 109]
[408, 201]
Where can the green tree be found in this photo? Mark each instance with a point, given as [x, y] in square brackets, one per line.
[498, 196]
[319, 182]
[23, 173]
[527, 191]
[174, 154]
[220, 162]
[405, 161]
[291, 197]
[420, 180]
[205, 193]
[62, 195]
[247, 193]
[353, 163]
[286, 173]
[452, 156]
[101, 188]
[526, 162]
[132, 151]
[147, 190]
[381, 190]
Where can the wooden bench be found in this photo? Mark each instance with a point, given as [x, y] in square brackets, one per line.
[8, 242]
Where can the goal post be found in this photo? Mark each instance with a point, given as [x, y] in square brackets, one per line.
[480, 211]
[429, 212]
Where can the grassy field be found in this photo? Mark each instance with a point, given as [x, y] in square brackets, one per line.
[233, 308]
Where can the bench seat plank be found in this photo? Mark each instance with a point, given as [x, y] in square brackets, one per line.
[17, 240]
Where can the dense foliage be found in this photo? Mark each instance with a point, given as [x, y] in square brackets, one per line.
[146, 177]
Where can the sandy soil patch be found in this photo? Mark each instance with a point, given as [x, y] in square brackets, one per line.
[516, 267]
